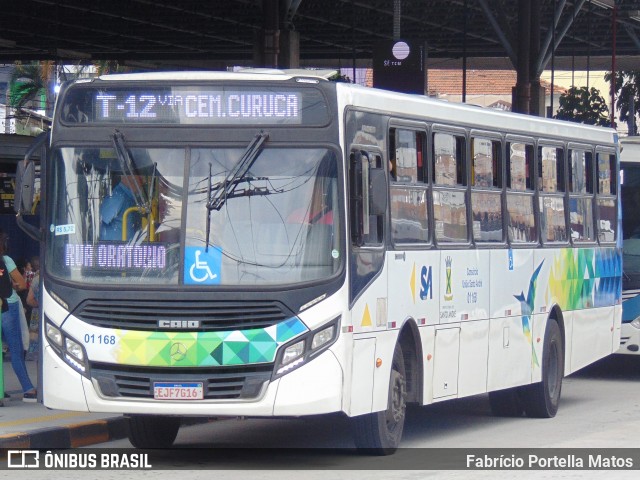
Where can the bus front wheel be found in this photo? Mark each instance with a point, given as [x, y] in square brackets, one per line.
[541, 399]
[153, 431]
[379, 433]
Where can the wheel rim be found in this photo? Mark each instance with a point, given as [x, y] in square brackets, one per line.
[397, 403]
[554, 374]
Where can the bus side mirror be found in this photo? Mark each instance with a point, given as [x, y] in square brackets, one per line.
[25, 183]
[377, 191]
[26, 176]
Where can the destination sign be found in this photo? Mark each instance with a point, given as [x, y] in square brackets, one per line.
[116, 257]
[194, 105]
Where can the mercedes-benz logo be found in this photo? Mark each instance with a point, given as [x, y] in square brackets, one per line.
[178, 351]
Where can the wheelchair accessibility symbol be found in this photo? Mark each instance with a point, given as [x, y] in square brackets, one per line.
[202, 267]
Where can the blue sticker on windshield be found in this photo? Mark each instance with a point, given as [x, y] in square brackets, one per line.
[202, 267]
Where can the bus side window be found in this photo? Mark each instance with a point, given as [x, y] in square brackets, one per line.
[408, 193]
[521, 220]
[581, 224]
[551, 184]
[486, 188]
[449, 193]
[606, 197]
[406, 155]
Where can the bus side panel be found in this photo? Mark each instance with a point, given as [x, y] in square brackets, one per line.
[464, 285]
[447, 361]
[568, 343]
[510, 327]
[369, 317]
[511, 271]
[584, 281]
[510, 354]
[592, 336]
[553, 267]
[474, 358]
[314, 389]
[364, 351]
[617, 326]
[63, 388]
[385, 346]
[428, 338]
[413, 286]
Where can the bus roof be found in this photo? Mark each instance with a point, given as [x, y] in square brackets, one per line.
[481, 118]
[401, 104]
[243, 74]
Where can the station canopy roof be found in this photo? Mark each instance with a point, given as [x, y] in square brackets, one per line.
[333, 33]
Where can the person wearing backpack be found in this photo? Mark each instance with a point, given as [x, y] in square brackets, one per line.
[11, 328]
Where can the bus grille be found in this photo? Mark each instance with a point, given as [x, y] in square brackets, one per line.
[212, 315]
[223, 383]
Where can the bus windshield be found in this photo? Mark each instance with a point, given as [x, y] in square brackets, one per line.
[131, 216]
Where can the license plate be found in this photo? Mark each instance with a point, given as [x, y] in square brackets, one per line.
[178, 391]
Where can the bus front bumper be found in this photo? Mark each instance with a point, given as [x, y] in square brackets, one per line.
[314, 388]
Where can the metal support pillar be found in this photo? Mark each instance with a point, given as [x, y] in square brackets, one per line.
[289, 56]
[521, 92]
[268, 41]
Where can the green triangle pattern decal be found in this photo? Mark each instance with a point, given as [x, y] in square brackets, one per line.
[199, 349]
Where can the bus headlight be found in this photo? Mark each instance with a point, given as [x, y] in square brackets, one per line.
[292, 352]
[303, 349]
[54, 334]
[323, 337]
[67, 348]
[74, 349]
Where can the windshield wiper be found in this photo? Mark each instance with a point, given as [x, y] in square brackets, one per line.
[129, 169]
[219, 193]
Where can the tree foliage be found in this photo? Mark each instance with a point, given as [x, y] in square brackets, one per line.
[104, 67]
[28, 81]
[627, 88]
[340, 78]
[583, 105]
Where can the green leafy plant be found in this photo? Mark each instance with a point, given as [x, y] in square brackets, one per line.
[583, 105]
[627, 89]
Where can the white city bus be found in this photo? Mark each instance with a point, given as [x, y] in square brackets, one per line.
[298, 246]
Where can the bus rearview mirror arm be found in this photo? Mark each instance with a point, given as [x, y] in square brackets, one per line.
[31, 230]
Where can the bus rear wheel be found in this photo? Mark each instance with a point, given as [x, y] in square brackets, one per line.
[153, 431]
[541, 400]
[379, 433]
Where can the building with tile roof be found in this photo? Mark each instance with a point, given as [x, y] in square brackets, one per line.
[487, 88]
[492, 88]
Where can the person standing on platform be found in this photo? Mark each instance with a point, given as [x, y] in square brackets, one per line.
[11, 328]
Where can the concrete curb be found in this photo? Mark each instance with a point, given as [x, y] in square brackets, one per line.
[80, 434]
[69, 436]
